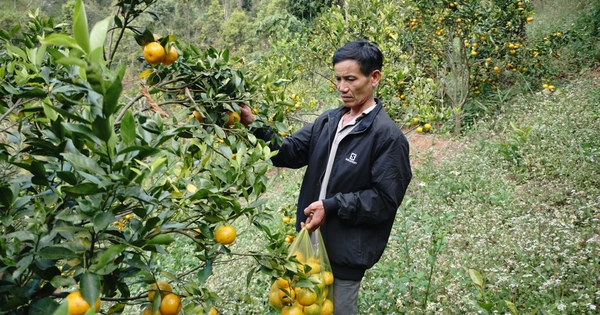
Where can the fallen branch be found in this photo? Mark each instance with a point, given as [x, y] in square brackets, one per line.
[152, 103]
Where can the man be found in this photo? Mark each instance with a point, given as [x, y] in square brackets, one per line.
[357, 171]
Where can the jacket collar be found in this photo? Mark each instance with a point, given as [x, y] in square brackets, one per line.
[336, 114]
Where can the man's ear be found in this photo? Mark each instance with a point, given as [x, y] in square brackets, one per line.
[375, 77]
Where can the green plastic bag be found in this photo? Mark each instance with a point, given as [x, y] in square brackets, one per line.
[307, 285]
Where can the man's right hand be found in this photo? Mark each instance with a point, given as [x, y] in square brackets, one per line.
[246, 116]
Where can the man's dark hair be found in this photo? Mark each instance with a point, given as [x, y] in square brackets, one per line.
[368, 55]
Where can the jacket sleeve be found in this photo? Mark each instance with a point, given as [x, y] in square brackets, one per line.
[390, 176]
[293, 152]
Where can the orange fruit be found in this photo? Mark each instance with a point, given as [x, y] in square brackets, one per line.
[225, 234]
[213, 311]
[473, 53]
[171, 56]
[327, 277]
[170, 305]
[313, 309]
[154, 53]
[233, 116]
[315, 268]
[299, 257]
[306, 296]
[275, 301]
[78, 305]
[427, 127]
[292, 310]
[162, 286]
[327, 307]
[286, 295]
[282, 283]
[420, 129]
[198, 116]
[148, 311]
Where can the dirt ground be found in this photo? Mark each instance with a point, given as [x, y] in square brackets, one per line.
[422, 145]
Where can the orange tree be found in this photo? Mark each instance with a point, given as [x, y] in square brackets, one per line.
[440, 54]
[94, 190]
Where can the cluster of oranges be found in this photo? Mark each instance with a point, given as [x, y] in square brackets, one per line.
[290, 298]
[170, 302]
[421, 128]
[120, 224]
[232, 117]
[548, 87]
[155, 53]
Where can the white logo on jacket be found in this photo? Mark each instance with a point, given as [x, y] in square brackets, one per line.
[352, 158]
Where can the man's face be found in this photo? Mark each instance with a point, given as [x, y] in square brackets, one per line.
[356, 88]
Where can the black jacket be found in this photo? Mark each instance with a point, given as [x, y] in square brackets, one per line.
[368, 181]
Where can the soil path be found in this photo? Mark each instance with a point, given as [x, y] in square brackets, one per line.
[423, 145]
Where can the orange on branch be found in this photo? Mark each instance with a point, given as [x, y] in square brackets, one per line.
[225, 234]
[162, 286]
[170, 305]
[154, 53]
[171, 56]
[78, 305]
[233, 117]
[148, 311]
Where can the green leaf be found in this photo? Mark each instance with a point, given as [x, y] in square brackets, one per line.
[56, 252]
[68, 177]
[17, 51]
[80, 27]
[511, 306]
[63, 309]
[111, 97]
[49, 112]
[90, 287]
[160, 239]
[109, 254]
[84, 189]
[118, 22]
[43, 306]
[204, 273]
[476, 278]
[83, 131]
[61, 40]
[102, 128]
[84, 162]
[62, 281]
[128, 128]
[40, 54]
[6, 197]
[98, 35]
[72, 61]
[102, 220]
